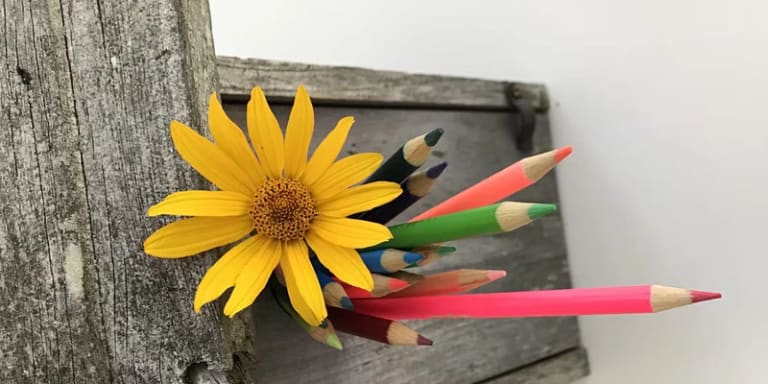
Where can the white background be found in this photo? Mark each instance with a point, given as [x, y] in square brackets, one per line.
[665, 104]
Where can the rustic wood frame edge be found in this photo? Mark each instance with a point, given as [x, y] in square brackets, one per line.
[361, 86]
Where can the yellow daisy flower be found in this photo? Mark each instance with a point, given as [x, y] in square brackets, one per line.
[290, 202]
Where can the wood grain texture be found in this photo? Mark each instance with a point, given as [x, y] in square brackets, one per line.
[88, 89]
[360, 86]
[563, 368]
[475, 144]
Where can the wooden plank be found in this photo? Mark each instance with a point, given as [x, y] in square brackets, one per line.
[360, 86]
[562, 368]
[465, 351]
[88, 90]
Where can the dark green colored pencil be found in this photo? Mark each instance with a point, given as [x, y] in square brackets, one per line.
[413, 154]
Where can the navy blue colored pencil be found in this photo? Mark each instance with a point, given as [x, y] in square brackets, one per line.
[333, 293]
[414, 188]
[389, 260]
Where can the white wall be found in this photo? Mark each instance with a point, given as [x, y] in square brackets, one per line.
[664, 103]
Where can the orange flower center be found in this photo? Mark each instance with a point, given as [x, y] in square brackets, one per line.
[282, 209]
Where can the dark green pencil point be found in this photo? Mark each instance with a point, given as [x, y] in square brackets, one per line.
[540, 210]
[433, 137]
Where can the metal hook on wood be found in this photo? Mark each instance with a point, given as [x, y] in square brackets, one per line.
[519, 105]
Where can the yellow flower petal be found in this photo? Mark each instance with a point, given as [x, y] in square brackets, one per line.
[225, 271]
[254, 276]
[345, 173]
[266, 137]
[303, 286]
[326, 153]
[360, 199]
[344, 263]
[231, 139]
[350, 233]
[298, 134]
[202, 203]
[209, 160]
[189, 237]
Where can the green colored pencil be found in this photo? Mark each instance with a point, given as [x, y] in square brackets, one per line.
[496, 218]
[413, 154]
[324, 333]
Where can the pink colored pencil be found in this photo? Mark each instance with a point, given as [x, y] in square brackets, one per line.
[382, 285]
[499, 185]
[450, 283]
[562, 302]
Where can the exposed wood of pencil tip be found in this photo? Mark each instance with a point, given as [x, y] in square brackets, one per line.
[535, 167]
[336, 296]
[664, 298]
[512, 215]
[399, 334]
[419, 184]
[411, 278]
[416, 151]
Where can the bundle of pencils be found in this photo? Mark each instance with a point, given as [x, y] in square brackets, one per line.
[402, 293]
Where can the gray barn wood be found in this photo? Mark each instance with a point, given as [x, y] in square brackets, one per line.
[87, 91]
[365, 86]
[465, 351]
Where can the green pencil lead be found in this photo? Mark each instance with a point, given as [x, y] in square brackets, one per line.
[445, 250]
[540, 210]
[333, 341]
[432, 137]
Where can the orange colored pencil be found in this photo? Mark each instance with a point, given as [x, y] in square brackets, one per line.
[499, 185]
[382, 286]
[375, 328]
[450, 282]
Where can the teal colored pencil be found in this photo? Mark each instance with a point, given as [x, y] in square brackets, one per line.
[324, 333]
[333, 293]
[488, 220]
[413, 154]
[389, 260]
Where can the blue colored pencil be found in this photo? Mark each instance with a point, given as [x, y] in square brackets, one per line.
[333, 292]
[389, 260]
[414, 188]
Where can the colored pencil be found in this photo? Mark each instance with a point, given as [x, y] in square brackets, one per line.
[499, 185]
[324, 333]
[488, 220]
[409, 277]
[333, 292]
[382, 286]
[389, 260]
[375, 328]
[450, 283]
[414, 188]
[413, 154]
[561, 302]
[432, 253]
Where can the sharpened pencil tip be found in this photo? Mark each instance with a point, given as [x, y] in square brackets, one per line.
[433, 137]
[333, 341]
[412, 258]
[446, 250]
[697, 296]
[397, 284]
[540, 210]
[421, 340]
[495, 275]
[437, 170]
[562, 153]
[346, 303]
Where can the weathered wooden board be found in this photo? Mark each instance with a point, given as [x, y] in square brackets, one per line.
[87, 91]
[332, 84]
[465, 351]
[562, 368]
